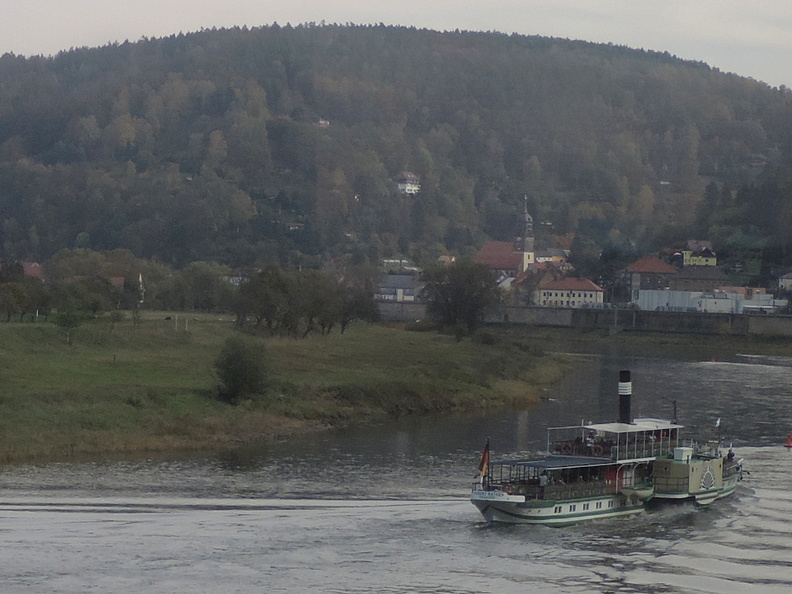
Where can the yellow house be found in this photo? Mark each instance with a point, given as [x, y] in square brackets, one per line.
[699, 253]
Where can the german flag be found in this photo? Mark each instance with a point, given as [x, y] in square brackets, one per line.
[485, 455]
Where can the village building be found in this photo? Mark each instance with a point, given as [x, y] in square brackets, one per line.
[398, 288]
[699, 278]
[504, 258]
[570, 292]
[785, 282]
[509, 259]
[699, 253]
[649, 273]
[726, 300]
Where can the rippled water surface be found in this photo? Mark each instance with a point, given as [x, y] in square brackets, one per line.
[385, 509]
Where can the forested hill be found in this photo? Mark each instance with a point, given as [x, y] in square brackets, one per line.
[280, 145]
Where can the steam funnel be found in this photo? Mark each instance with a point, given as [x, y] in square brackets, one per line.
[625, 395]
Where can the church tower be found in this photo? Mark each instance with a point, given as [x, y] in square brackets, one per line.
[526, 242]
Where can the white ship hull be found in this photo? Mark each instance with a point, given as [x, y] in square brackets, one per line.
[497, 506]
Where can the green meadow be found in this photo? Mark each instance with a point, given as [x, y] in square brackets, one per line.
[131, 389]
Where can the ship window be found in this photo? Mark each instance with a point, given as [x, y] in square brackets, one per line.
[557, 509]
[585, 506]
[572, 508]
[610, 503]
[599, 504]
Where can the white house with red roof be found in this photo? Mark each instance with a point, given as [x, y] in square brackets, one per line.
[570, 292]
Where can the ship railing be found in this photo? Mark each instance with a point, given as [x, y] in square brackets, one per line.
[643, 450]
[614, 450]
[579, 490]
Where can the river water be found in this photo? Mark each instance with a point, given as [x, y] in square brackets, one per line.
[385, 509]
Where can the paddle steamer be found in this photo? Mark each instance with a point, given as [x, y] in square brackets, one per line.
[593, 471]
[604, 470]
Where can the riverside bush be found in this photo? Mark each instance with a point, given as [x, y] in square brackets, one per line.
[241, 369]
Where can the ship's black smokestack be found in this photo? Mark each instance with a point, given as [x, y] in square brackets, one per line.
[625, 394]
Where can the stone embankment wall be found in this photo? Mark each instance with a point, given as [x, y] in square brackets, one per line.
[616, 319]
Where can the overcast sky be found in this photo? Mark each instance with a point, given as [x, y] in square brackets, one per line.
[748, 38]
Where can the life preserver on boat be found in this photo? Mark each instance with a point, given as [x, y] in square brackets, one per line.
[566, 448]
[597, 450]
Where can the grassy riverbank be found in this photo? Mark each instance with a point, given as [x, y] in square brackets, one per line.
[128, 390]
[124, 389]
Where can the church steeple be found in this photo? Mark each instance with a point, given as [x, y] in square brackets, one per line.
[527, 239]
[525, 242]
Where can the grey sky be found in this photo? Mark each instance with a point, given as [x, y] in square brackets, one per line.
[749, 38]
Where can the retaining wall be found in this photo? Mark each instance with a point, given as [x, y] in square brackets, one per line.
[615, 319]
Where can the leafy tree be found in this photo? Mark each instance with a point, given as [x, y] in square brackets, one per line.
[459, 294]
[206, 287]
[38, 298]
[12, 298]
[89, 296]
[357, 296]
[241, 369]
[268, 297]
[68, 321]
[318, 298]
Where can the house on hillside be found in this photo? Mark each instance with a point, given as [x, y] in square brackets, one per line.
[399, 266]
[649, 273]
[570, 292]
[408, 183]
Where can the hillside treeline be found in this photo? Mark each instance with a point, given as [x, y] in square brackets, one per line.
[280, 146]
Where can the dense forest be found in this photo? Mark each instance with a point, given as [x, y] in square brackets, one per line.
[281, 146]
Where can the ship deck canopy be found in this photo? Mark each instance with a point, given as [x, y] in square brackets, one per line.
[637, 426]
[643, 438]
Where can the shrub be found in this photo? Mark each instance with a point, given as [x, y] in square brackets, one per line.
[241, 369]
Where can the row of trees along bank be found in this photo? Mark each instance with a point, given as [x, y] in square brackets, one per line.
[81, 284]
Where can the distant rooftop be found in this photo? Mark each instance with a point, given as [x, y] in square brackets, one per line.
[499, 255]
[572, 284]
[651, 265]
